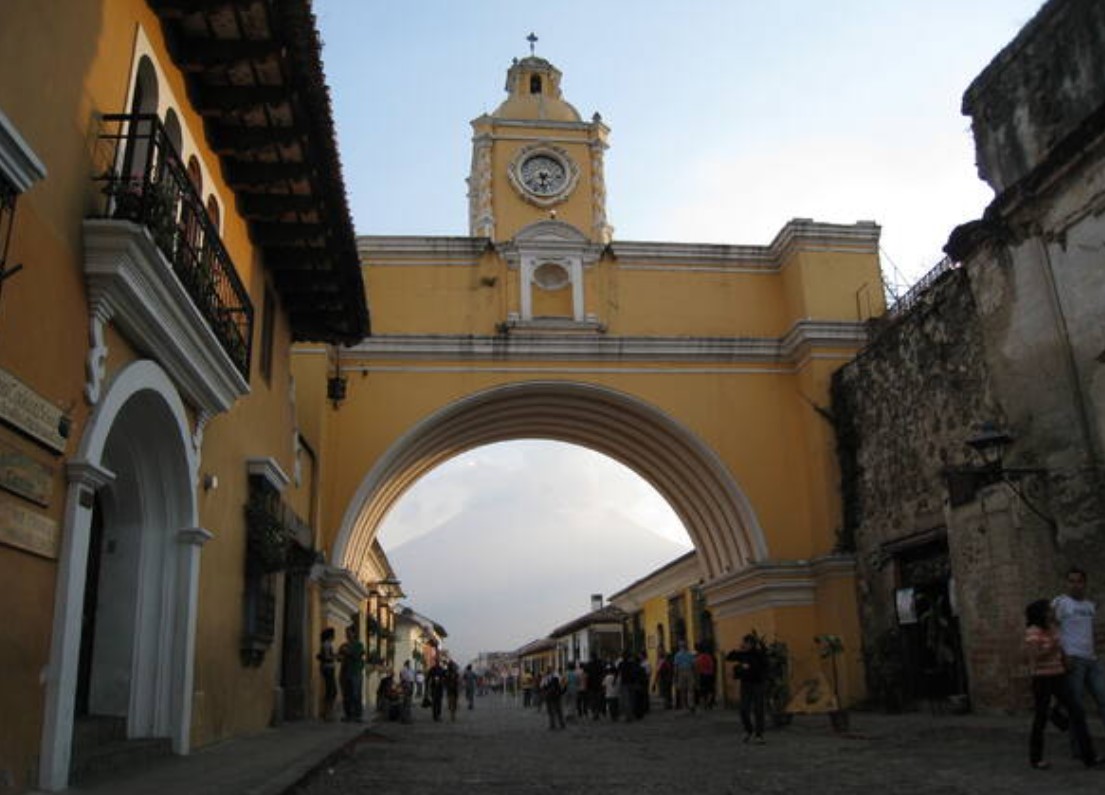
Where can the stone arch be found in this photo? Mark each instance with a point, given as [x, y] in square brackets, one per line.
[135, 454]
[718, 517]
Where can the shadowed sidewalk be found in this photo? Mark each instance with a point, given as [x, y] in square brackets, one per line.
[267, 763]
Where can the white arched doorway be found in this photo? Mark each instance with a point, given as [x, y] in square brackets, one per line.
[130, 555]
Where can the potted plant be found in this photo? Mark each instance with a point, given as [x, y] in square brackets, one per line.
[831, 647]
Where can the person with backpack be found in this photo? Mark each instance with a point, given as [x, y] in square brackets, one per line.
[551, 690]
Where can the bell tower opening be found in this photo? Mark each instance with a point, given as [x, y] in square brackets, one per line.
[535, 84]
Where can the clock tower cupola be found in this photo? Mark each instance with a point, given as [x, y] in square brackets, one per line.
[534, 159]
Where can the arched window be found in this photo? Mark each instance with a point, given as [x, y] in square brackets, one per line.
[136, 156]
[190, 226]
[535, 84]
[195, 175]
[213, 210]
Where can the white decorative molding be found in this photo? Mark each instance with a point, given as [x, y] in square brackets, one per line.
[798, 342]
[130, 281]
[376, 250]
[270, 470]
[769, 585]
[600, 228]
[202, 418]
[18, 162]
[799, 234]
[481, 212]
[341, 593]
[96, 362]
[194, 536]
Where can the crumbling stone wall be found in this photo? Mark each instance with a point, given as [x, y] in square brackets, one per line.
[904, 410]
[1038, 90]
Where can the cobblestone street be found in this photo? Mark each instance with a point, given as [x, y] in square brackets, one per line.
[502, 748]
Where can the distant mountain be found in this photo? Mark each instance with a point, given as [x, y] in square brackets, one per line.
[499, 578]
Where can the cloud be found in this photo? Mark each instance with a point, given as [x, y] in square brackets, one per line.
[533, 529]
[549, 477]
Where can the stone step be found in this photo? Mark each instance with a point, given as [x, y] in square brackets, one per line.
[90, 731]
[105, 760]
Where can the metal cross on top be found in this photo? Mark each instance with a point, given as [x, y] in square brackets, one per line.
[532, 39]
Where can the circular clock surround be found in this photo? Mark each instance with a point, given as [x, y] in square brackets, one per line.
[543, 174]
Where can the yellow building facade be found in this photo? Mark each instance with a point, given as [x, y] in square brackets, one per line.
[165, 171]
[701, 367]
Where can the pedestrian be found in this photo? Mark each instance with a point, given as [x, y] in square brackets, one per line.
[327, 666]
[593, 673]
[388, 702]
[705, 674]
[627, 683]
[683, 664]
[610, 691]
[750, 667]
[644, 678]
[527, 688]
[552, 689]
[419, 683]
[452, 688]
[663, 680]
[1049, 681]
[351, 656]
[435, 686]
[470, 682]
[573, 681]
[406, 695]
[1075, 614]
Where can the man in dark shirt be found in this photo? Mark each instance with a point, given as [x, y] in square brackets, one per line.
[750, 668]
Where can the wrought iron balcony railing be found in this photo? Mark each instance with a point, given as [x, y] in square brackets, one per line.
[147, 183]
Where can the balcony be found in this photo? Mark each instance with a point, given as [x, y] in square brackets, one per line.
[156, 266]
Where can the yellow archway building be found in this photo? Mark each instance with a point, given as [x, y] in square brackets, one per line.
[701, 367]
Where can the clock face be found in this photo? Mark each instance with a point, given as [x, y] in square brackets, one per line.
[543, 174]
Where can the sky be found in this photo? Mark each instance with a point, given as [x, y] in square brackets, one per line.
[727, 118]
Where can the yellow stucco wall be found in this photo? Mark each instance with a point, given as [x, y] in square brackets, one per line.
[80, 54]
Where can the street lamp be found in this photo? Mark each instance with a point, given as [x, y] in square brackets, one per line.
[990, 444]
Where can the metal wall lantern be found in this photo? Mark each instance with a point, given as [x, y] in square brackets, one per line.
[990, 444]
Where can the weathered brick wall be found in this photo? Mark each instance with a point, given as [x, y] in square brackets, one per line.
[904, 410]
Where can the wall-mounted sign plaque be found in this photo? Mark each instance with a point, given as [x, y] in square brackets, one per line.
[29, 412]
[26, 529]
[20, 474]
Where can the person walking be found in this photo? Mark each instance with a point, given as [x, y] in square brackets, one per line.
[327, 666]
[593, 673]
[627, 683]
[351, 656]
[610, 690]
[435, 684]
[750, 667]
[406, 686]
[452, 689]
[1049, 681]
[1075, 614]
[705, 675]
[552, 689]
[470, 680]
[683, 664]
[573, 681]
[663, 681]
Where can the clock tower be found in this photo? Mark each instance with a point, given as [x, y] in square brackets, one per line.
[537, 192]
[534, 159]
